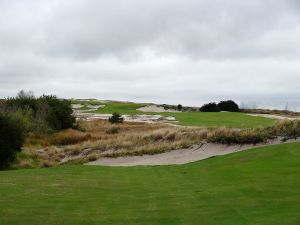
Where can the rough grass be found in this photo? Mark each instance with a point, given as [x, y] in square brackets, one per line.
[259, 186]
[129, 139]
[101, 138]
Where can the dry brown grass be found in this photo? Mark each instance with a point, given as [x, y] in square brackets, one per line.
[104, 139]
[101, 138]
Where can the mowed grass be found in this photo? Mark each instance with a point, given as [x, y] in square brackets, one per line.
[121, 107]
[259, 186]
[220, 119]
[204, 119]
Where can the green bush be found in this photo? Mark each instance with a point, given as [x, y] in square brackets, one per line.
[44, 114]
[116, 118]
[12, 136]
[60, 112]
[179, 107]
[229, 106]
[210, 107]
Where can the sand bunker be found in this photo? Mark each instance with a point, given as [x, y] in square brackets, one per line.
[180, 156]
[127, 118]
[155, 108]
[272, 116]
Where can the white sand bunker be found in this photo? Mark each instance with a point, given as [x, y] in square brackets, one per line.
[277, 117]
[127, 118]
[180, 156]
[155, 108]
[77, 106]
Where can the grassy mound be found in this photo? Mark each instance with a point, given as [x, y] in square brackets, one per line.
[259, 186]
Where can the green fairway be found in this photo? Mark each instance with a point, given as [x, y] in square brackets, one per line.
[121, 107]
[219, 119]
[205, 119]
[259, 186]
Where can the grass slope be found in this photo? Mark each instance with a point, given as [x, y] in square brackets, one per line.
[259, 186]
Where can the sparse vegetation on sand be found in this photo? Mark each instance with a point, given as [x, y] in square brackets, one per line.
[103, 139]
[259, 186]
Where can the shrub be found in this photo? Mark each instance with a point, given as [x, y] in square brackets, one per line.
[60, 112]
[229, 106]
[116, 118]
[179, 107]
[210, 107]
[43, 114]
[12, 136]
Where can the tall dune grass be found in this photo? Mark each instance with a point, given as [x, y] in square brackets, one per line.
[103, 139]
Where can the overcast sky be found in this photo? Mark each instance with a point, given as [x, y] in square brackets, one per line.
[164, 51]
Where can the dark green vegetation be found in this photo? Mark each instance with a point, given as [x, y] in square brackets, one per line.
[210, 107]
[12, 136]
[46, 113]
[259, 186]
[28, 114]
[229, 106]
[116, 118]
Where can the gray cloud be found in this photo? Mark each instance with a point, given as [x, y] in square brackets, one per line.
[164, 51]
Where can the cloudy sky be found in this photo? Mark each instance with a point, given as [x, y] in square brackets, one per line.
[170, 51]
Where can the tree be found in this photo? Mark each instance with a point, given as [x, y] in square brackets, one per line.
[12, 136]
[60, 113]
[44, 114]
[229, 106]
[179, 107]
[116, 118]
[210, 107]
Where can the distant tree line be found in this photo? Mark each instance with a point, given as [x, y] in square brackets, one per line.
[26, 113]
[229, 106]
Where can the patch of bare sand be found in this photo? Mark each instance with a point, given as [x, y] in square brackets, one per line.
[277, 117]
[128, 118]
[155, 108]
[181, 156]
